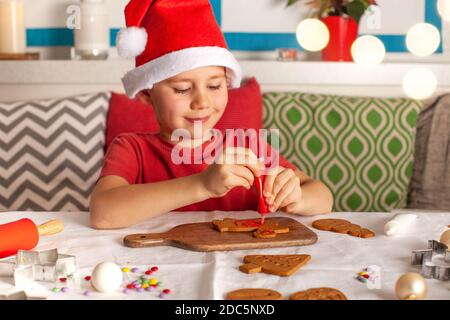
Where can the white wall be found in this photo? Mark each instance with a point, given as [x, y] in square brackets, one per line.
[261, 16]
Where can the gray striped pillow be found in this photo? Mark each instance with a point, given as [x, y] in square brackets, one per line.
[51, 152]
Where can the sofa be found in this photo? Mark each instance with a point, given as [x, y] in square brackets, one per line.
[362, 148]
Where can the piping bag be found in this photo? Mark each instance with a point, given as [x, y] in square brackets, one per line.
[259, 183]
[262, 206]
[24, 235]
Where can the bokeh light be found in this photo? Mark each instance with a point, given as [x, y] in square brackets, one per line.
[444, 9]
[423, 39]
[313, 34]
[368, 50]
[419, 83]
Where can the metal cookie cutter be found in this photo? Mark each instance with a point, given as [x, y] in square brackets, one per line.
[29, 266]
[424, 259]
[20, 295]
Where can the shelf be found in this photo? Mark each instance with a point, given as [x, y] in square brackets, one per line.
[267, 72]
[28, 80]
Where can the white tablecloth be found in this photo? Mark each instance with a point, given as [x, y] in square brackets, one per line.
[336, 258]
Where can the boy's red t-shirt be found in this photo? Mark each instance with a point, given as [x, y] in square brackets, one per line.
[145, 158]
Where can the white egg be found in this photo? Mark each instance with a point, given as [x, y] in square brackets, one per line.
[106, 277]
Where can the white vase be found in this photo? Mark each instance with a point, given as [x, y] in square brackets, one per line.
[12, 27]
[92, 39]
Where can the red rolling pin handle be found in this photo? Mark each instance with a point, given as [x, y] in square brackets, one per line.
[19, 235]
[24, 235]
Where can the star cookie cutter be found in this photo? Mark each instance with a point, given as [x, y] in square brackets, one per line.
[424, 260]
[29, 266]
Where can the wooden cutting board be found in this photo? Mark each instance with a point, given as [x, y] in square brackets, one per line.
[203, 237]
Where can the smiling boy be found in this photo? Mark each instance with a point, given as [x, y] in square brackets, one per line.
[184, 70]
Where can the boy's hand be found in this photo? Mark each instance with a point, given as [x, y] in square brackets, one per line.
[282, 190]
[220, 178]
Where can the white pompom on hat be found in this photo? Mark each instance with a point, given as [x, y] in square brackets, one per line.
[168, 37]
[131, 42]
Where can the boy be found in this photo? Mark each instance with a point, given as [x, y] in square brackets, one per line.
[184, 70]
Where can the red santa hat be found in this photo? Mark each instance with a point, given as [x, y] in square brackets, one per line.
[168, 37]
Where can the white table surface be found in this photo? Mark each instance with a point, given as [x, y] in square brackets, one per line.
[336, 258]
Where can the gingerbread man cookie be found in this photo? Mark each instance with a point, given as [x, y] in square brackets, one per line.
[268, 230]
[280, 265]
[343, 226]
[319, 294]
[254, 294]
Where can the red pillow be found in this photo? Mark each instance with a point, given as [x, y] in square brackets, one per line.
[244, 110]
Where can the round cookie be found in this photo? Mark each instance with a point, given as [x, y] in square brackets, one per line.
[254, 294]
[318, 294]
[264, 233]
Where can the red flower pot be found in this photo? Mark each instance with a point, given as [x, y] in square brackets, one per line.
[343, 32]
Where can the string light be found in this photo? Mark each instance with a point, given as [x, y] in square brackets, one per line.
[423, 39]
[368, 50]
[313, 34]
[419, 83]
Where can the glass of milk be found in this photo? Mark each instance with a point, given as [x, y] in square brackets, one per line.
[92, 39]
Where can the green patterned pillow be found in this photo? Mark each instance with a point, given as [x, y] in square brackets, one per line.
[361, 148]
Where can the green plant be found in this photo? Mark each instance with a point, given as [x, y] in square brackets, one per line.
[325, 8]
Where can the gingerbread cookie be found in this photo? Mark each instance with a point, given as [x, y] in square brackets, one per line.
[343, 226]
[268, 230]
[318, 294]
[280, 265]
[233, 225]
[254, 294]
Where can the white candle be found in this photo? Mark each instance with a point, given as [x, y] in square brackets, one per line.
[12, 27]
[94, 28]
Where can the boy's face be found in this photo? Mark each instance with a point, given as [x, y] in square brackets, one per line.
[198, 95]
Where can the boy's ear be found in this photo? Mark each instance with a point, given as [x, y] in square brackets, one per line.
[145, 97]
[227, 78]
